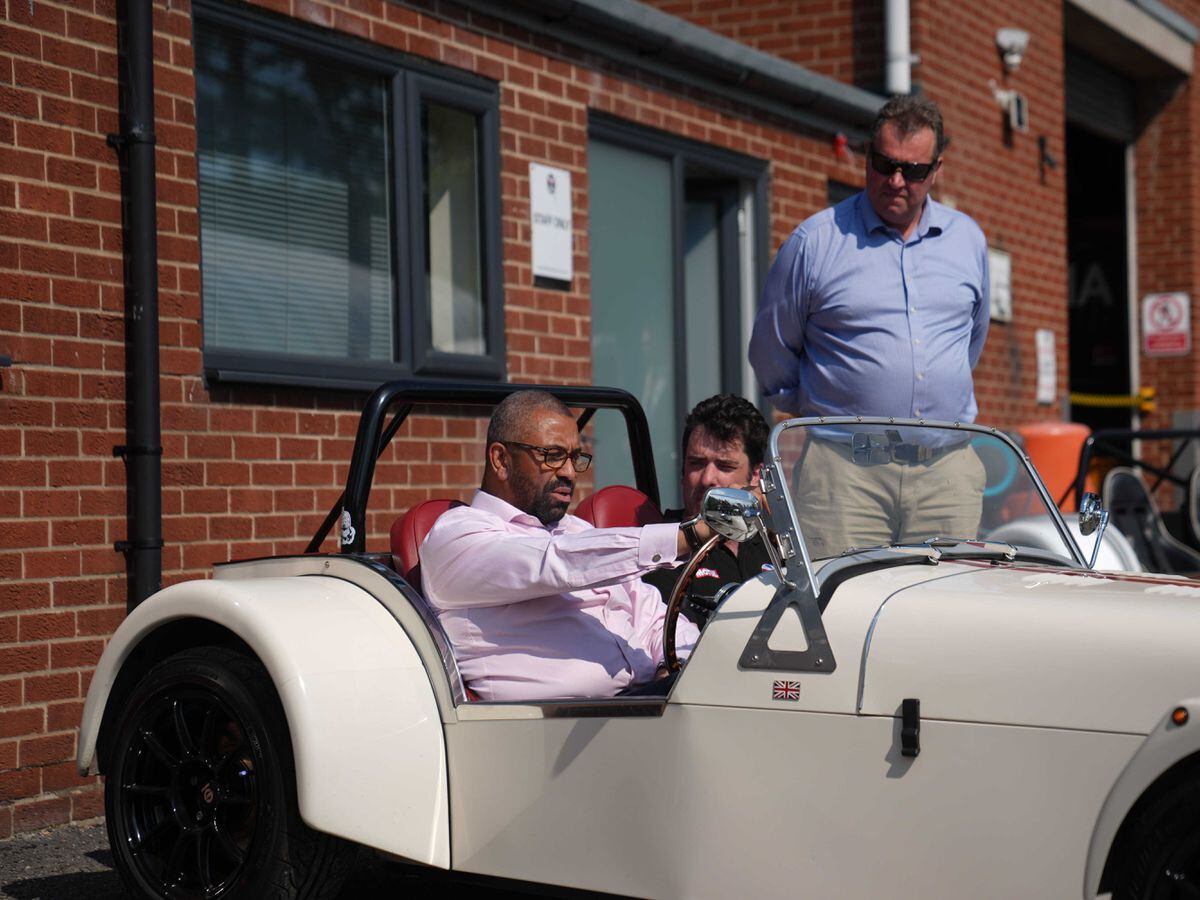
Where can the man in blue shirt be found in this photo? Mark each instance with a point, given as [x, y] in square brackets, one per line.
[879, 306]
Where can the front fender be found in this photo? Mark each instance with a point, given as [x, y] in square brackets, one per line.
[366, 735]
[1165, 746]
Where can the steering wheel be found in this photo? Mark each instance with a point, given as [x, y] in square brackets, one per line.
[675, 604]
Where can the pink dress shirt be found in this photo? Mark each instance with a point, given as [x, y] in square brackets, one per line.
[538, 613]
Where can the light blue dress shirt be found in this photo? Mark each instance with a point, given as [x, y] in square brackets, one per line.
[856, 320]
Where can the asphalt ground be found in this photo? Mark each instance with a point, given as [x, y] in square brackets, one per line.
[73, 862]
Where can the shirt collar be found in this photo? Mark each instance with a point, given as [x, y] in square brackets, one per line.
[932, 217]
[509, 513]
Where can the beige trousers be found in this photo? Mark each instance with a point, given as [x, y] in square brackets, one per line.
[842, 505]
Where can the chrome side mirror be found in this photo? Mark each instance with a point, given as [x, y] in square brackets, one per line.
[1093, 517]
[732, 513]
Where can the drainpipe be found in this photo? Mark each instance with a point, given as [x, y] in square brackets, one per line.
[143, 453]
[898, 59]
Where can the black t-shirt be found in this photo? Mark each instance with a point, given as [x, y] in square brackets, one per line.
[719, 568]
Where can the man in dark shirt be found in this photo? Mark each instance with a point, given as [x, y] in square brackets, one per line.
[724, 444]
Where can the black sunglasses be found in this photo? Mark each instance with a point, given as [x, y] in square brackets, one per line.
[910, 172]
[555, 457]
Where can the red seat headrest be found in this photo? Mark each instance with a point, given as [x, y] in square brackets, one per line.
[409, 530]
[618, 506]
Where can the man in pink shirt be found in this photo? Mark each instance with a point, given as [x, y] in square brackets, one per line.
[537, 604]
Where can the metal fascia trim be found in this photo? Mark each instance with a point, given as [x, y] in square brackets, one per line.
[632, 33]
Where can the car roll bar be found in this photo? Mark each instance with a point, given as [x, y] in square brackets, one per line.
[372, 437]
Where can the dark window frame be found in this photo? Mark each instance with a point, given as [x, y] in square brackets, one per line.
[729, 165]
[411, 80]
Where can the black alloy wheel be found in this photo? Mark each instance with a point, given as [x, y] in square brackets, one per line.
[1164, 858]
[200, 797]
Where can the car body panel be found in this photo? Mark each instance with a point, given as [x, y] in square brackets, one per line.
[1037, 646]
[374, 575]
[365, 727]
[846, 619]
[816, 804]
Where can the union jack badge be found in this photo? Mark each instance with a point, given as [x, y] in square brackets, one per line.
[786, 690]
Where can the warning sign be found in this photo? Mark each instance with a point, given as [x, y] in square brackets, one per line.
[1166, 324]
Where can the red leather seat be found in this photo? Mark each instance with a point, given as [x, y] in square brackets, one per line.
[618, 506]
[409, 530]
[406, 535]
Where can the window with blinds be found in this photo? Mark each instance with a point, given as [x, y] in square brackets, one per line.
[348, 211]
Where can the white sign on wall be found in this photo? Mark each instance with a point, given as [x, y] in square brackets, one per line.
[1167, 324]
[550, 217]
[1000, 285]
[1047, 367]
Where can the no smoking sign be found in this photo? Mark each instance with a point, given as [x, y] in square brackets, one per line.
[1166, 324]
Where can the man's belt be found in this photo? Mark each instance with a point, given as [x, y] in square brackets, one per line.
[868, 449]
[915, 453]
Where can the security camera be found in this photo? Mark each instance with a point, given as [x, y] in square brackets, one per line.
[1012, 43]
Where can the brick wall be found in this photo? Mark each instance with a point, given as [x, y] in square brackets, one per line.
[839, 38]
[246, 470]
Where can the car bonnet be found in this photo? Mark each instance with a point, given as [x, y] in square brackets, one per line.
[1039, 646]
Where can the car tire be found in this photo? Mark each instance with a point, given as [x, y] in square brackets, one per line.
[200, 794]
[1163, 862]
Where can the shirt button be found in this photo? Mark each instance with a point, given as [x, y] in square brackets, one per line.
[917, 411]
[912, 309]
[657, 557]
[916, 340]
[920, 376]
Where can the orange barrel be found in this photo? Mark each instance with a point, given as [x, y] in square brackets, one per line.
[1054, 448]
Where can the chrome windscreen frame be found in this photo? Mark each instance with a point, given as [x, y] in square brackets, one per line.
[779, 497]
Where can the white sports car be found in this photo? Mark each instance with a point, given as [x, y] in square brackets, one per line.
[926, 714]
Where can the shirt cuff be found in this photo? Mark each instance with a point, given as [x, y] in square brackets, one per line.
[659, 545]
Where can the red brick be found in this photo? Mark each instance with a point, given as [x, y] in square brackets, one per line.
[23, 472]
[69, 54]
[40, 814]
[231, 528]
[91, 29]
[34, 288]
[56, 686]
[63, 776]
[101, 209]
[23, 225]
[18, 102]
[10, 566]
[46, 627]
[52, 564]
[74, 654]
[101, 621]
[19, 784]
[41, 78]
[18, 534]
[10, 689]
[74, 234]
[20, 722]
[22, 163]
[250, 501]
[23, 595]
[64, 716]
[51, 443]
[87, 804]
[82, 592]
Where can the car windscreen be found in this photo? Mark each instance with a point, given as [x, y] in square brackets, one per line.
[862, 485]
